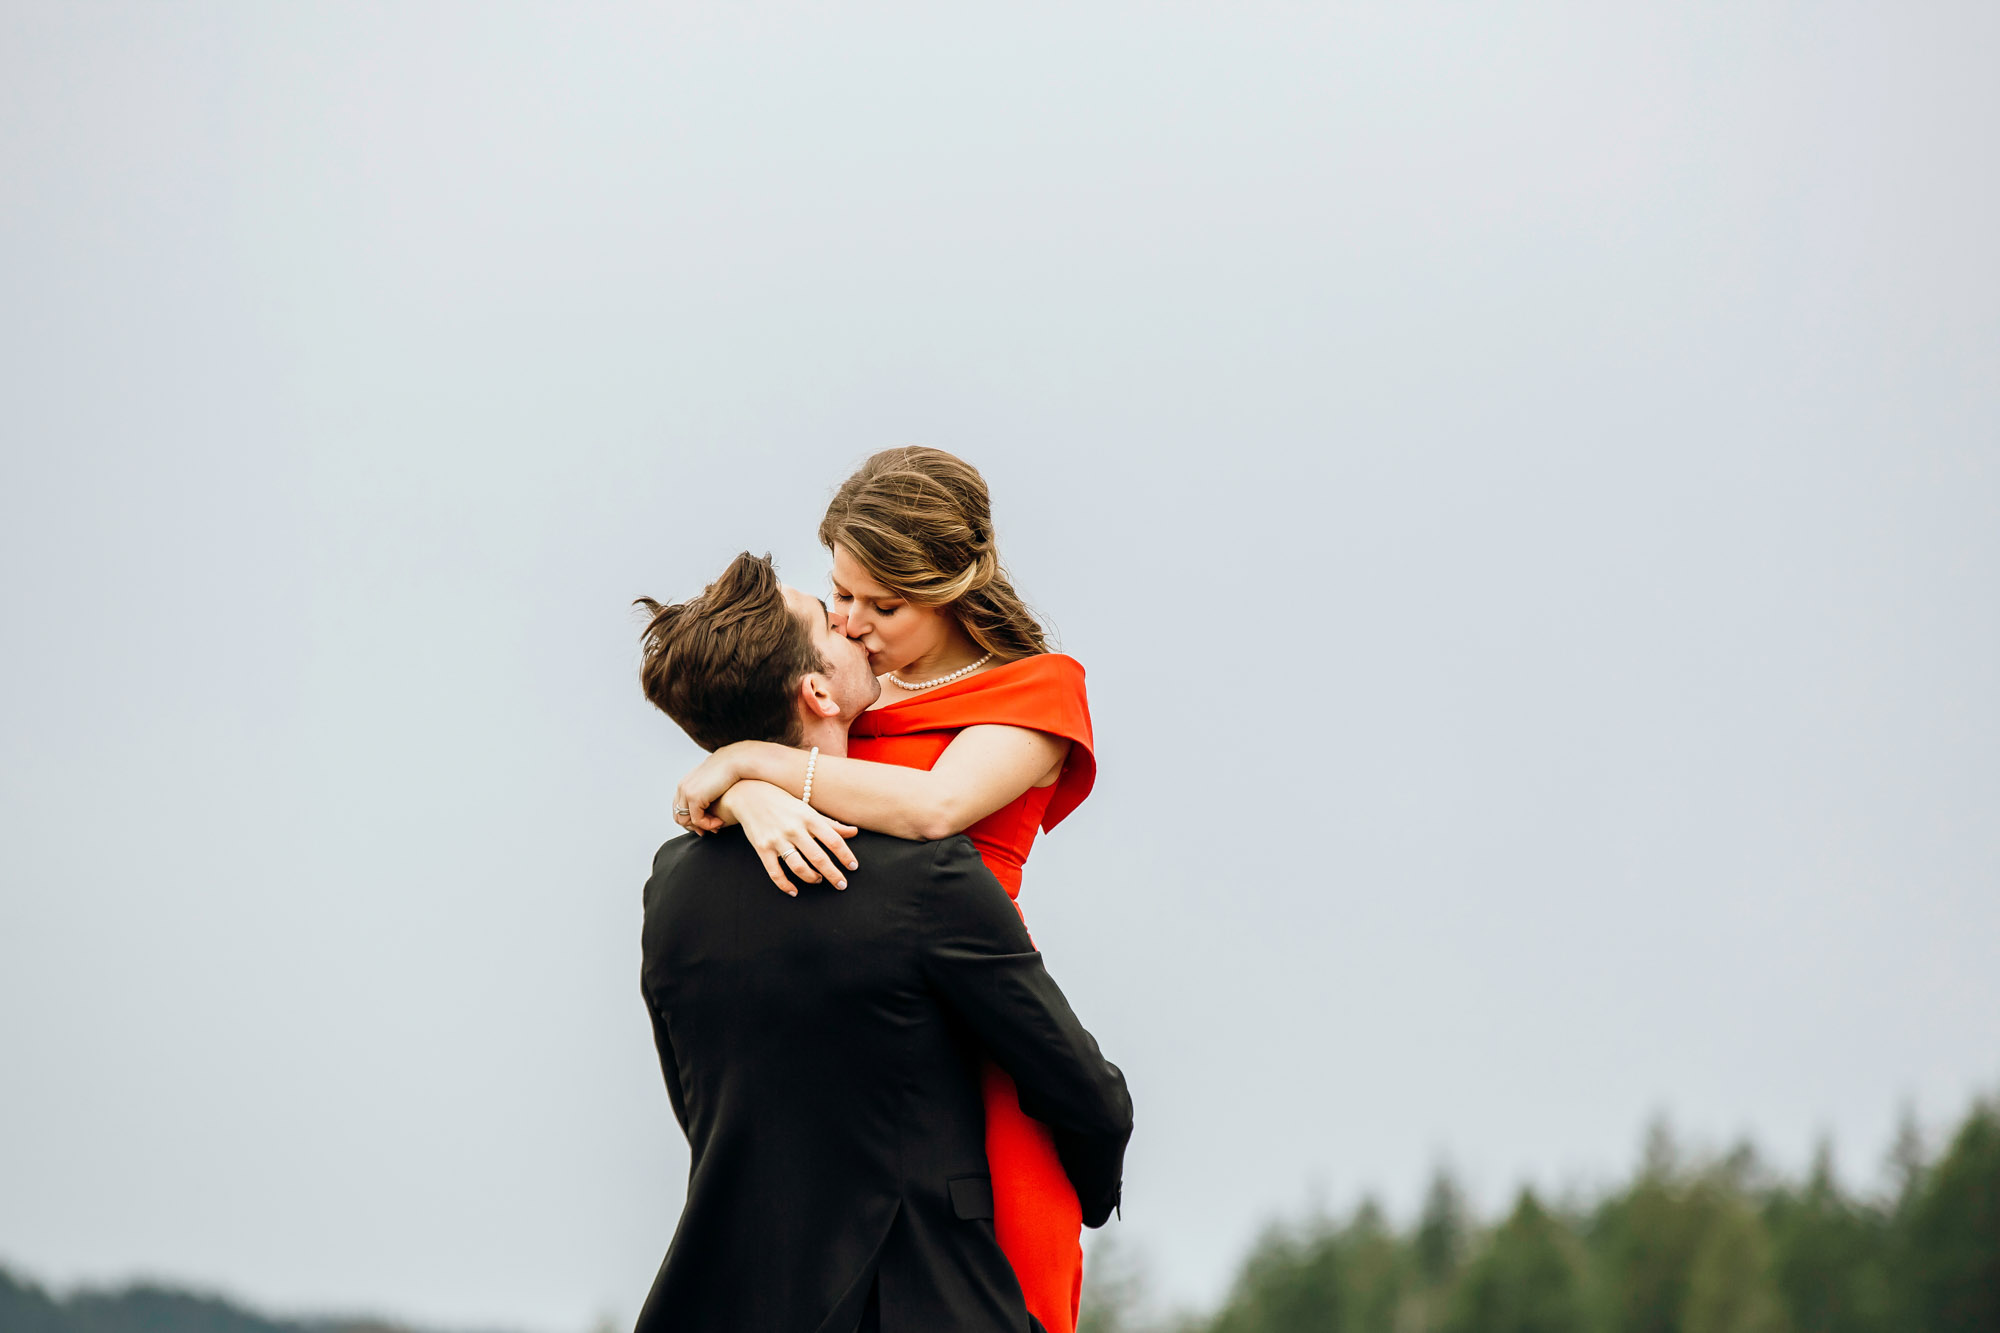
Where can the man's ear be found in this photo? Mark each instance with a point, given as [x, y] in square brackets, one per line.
[816, 696]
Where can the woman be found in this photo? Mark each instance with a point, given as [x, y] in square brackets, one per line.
[980, 730]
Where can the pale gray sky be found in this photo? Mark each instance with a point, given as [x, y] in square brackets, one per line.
[1524, 480]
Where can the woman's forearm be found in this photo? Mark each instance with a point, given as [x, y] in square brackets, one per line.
[982, 769]
[888, 798]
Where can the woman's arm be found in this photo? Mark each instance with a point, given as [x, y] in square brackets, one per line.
[982, 769]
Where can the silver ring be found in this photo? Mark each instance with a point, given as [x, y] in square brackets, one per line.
[789, 853]
[680, 810]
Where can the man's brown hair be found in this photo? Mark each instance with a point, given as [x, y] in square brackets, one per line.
[725, 665]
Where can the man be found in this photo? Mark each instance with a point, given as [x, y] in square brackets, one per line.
[821, 1051]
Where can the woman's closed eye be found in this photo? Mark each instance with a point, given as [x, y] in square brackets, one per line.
[844, 599]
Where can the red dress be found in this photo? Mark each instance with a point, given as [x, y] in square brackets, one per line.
[1035, 1212]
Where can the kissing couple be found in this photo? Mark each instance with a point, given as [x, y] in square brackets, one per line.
[895, 1121]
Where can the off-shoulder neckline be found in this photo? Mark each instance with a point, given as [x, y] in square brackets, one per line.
[958, 686]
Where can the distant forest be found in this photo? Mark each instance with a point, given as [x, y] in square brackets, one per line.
[1690, 1245]
[1717, 1245]
[149, 1308]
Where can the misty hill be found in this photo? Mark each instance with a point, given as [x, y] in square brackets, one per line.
[149, 1308]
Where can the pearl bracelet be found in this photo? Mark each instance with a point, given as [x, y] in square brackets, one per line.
[812, 761]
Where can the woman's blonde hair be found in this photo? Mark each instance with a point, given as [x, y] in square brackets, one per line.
[919, 522]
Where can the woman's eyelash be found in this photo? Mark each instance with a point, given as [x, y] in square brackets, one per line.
[880, 610]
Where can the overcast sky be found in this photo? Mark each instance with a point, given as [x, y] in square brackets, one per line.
[1524, 481]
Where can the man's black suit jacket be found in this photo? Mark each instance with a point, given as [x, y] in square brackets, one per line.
[821, 1054]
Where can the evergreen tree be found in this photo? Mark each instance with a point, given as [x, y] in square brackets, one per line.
[1660, 1155]
[1376, 1272]
[1829, 1256]
[1950, 1255]
[26, 1308]
[1441, 1230]
[1437, 1254]
[1731, 1288]
[1908, 1169]
[1908, 1164]
[1528, 1279]
[1288, 1284]
[1643, 1243]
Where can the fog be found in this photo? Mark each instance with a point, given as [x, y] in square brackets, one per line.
[1521, 479]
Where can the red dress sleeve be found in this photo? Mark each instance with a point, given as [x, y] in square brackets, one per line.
[1042, 693]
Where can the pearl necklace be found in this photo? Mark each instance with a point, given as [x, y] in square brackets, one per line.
[902, 684]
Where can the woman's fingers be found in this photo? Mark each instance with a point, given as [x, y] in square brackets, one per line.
[770, 860]
[812, 850]
[821, 863]
[795, 861]
[699, 818]
[828, 832]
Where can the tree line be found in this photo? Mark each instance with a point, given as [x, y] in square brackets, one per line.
[1715, 1244]
[149, 1307]
[1690, 1245]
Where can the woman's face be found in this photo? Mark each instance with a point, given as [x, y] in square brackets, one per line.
[894, 631]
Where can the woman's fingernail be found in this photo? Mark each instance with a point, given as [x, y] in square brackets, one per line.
[840, 884]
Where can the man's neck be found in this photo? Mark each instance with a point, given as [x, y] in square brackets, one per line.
[828, 733]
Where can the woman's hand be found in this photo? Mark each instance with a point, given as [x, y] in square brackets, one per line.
[787, 832]
[702, 788]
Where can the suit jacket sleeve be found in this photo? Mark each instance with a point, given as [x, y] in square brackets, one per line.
[670, 1068]
[978, 957]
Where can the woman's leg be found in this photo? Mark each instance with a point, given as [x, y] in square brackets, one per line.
[1035, 1212]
